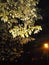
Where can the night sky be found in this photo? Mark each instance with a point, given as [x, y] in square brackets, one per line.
[33, 52]
[44, 5]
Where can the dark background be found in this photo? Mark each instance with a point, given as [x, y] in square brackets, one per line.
[33, 55]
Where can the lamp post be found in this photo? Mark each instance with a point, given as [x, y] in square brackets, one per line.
[46, 51]
[46, 46]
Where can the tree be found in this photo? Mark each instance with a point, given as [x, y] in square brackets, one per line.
[17, 19]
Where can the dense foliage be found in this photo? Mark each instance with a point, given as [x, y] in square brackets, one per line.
[17, 19]
[20, 17]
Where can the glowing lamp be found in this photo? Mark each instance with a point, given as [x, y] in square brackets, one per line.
[46, 46]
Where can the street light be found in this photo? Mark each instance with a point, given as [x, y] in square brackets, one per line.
[45, 48]
[46, 51]
[46, 45]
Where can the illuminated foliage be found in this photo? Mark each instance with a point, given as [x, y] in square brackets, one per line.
[17, 19]
[20, 15]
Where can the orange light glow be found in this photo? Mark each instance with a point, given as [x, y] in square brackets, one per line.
[46, 45]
